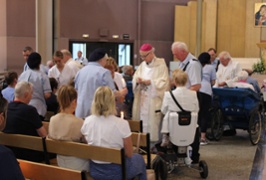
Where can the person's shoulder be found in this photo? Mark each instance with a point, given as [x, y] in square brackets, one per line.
[118, 75]
[4, 150]
[194, 60]
[209, 67]
[119, 121]
[29, 108]
[160, 59]
[52, 69]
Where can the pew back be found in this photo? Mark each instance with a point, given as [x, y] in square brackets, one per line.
[143, 140]
[32, 170]
[135, 125]
[22, 141]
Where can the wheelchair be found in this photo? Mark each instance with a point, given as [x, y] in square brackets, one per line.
[238, 108]
[181, 135]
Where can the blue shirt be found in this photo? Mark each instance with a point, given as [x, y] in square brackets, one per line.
[8, 93]
[208, 74]
[88, 79]
[41, 85]
[215, 64]
[254, 83]
[193, 70]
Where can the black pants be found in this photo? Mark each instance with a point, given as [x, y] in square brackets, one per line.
[204, 112]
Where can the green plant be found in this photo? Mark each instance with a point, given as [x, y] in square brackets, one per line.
[259, 67]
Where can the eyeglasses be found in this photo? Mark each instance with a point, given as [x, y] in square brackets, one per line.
[144, 56]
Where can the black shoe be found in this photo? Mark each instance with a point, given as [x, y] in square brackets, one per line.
[230, 132]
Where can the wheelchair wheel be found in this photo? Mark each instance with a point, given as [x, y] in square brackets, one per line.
[217, 125]
[209, 134]
[203, 169]
[255, 127]
[160, 168]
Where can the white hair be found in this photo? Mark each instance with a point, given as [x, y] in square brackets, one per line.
[66, 52]
[22, 88]
[225, 55]
[180, 45]
[242, 75]
[126, 68]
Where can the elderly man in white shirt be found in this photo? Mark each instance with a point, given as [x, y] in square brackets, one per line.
[75, 66]
[227, 70]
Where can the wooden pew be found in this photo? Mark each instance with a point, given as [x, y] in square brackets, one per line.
[39, 171]
[144, 141]
[86, 151]
[45, 125]
[114, 155]
[24, 141]
[135, 125]
[48, 115]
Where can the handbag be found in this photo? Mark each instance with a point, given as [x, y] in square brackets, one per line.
[184, 117]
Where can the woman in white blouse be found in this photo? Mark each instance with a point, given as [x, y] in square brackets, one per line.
[103, 128]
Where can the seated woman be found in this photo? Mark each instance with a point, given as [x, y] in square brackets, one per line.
[188, 101]
[66, 127]
[119, 101]
[242, 77]
[103, 128]
[11, 80]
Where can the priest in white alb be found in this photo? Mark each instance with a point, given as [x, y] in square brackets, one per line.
[150, 81]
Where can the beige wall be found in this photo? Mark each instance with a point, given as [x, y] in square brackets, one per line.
[158, 22]
[226, 25]
[3, 40]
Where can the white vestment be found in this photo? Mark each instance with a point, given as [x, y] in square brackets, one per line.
[148, 99]
[227, 73]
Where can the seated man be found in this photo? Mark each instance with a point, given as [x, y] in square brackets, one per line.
[11, 80]
[242, 77]
[24, 119]
[227, 70]
[9, 166]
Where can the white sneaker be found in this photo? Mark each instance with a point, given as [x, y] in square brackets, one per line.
[203, 142]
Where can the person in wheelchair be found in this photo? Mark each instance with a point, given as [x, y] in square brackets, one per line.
[189, 102]
[241, 82]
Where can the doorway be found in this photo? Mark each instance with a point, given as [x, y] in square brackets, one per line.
[121, 52]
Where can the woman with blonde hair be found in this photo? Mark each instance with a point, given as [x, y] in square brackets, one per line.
[103, 128]
[65, 126]
[188, 101]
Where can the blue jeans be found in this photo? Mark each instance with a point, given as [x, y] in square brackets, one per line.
[135, 166]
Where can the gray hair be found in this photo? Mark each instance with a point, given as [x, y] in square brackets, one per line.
[22, 88]
[242, 75]
[126, 68]
[225, 55]
[66, 52]
[179, 45]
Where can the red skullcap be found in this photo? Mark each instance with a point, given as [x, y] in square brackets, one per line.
[145, 47]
